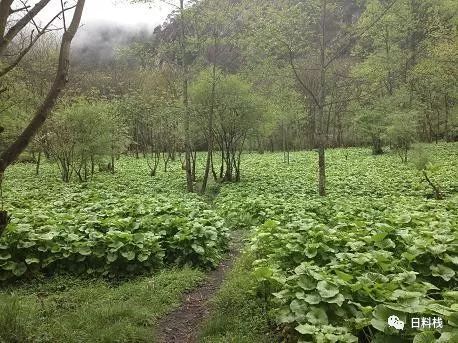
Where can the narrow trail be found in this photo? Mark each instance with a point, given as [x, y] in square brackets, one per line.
[183, 324]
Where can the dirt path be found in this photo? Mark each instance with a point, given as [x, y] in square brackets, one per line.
[182, 325]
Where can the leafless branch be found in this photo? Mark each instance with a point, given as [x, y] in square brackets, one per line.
[16, 28]
[33, 40]
[353, 38]
[24, 8]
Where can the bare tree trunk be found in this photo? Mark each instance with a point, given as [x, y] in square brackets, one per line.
[446, 134]
[166, 156]
[283, 139]
[437, 192]
[438, 125]
[112, 169]
[21, 143]
[92, 165]
[193, 164]
[221, 169]
[37, 168]
[210, 124]
[187, 140]
[377, 148]
[215, 176]
[322, 99]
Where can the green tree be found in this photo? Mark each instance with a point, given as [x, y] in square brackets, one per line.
[83, 134]
[237, 112]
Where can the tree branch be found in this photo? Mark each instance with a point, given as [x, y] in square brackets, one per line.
[33, 40]
[355, 36]
[302, 83]
[21, 143]
[15, 29]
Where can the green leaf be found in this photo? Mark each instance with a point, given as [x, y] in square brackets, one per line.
[19, 269]
[84, 250]
[116, 245]
[306, 329]
[111, 257]
[312, 298]
[26, 244]
[143, 257]
[129, 255]
[311, 251]
[285, 316]
[344, 276]
[317, 316]
[326, 289]
[424, 337]
[447, 337]
[306, 282]
[438, 308]
[298, 308]
[379, 237]
[31, 260]
[453, 319]
[444, 272]
[452, 259]
[404, 218]
[263, 273]
[198, 249]
[338, 299]
[380, 317]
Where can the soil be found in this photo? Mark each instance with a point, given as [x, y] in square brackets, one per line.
[182, 325]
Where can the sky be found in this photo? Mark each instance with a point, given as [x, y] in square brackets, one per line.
[119, 12]
[125, 13]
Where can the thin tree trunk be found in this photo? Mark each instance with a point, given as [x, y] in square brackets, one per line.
[210, 124]
[446, 134]
[37, 169]
[283, 140]
[92, 165]
[215, 176]
[112, 169]
[187, 143]
[322, 98]
[437, 125]
[437, 192]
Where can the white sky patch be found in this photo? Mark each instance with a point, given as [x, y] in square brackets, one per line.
[125, 13]
[117, 12]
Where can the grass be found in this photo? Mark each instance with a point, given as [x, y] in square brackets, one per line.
[237, 315]
[69, 309]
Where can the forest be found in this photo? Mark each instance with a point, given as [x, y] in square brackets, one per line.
[247, 171]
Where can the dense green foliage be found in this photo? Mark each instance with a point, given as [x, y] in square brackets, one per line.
[333, 269]
[111, 226]
[325, 269]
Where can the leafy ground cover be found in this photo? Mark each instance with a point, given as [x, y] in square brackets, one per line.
[316, 269]
[111, 226]
[333, 269]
